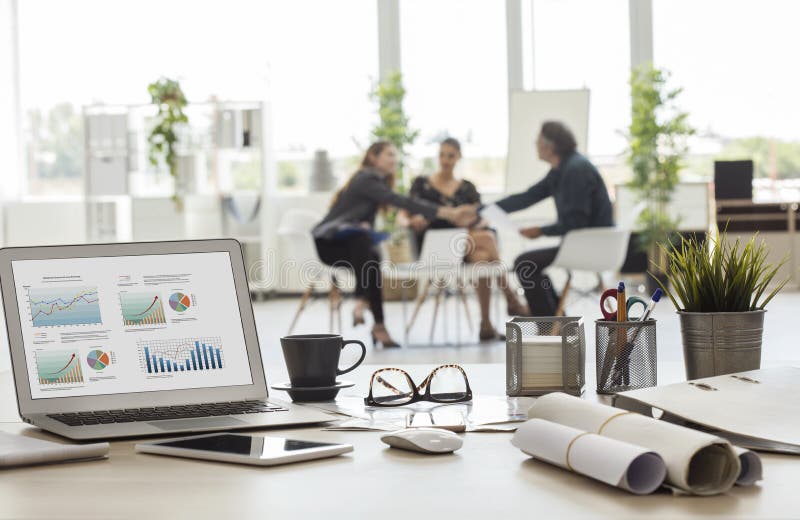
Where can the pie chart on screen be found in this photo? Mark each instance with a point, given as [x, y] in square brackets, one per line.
[97, 359]
[180, 302]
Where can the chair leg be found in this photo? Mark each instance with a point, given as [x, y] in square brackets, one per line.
[303, 301]
[335, 306]
[463, 296]
[439, 291]
[423, 295]
[563, 300]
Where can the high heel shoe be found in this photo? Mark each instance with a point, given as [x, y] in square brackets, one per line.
[488, 333]
[358, 315]
[381, 335]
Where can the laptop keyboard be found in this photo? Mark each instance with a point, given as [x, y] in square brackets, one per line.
[165, 412]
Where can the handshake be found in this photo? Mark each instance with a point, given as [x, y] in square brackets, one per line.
[461, 216]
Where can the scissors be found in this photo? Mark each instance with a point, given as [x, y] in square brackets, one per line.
[608, 305]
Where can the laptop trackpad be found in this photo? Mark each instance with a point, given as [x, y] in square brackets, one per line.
[190, 424]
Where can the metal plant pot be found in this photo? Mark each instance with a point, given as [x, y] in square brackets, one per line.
[716, 343]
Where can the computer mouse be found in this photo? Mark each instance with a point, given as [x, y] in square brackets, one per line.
[424, 440]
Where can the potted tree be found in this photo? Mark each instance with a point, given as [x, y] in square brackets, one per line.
[720, 288]
[167, 95]
[656, 150]
[393, 126]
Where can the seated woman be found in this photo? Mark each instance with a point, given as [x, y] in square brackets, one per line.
[445, 189]
[345, 237]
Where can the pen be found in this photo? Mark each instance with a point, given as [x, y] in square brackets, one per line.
[623, 377]
[648, 311]
[650, 306]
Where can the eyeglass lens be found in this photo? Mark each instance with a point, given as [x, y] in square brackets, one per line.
[391, 387]
[448, 384]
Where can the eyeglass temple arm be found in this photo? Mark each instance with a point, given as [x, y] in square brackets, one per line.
[389, 386]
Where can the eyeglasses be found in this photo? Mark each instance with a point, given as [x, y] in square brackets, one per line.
[394, 387]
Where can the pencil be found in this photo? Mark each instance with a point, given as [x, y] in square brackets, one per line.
[622, 317]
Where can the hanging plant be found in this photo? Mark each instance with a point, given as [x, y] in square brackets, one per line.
[167, 95]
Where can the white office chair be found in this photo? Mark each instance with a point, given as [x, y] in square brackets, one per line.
[596, 250]
[440, 267]
[298, 243]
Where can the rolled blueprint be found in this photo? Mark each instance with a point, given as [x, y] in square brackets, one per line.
[697, 462]
[616, 463]
[751, 471]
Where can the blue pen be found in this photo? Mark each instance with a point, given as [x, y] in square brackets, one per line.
[621, 374]
[652, 305]
[649, 310]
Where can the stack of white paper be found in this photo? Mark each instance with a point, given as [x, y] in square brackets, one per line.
[697, 462]
[614, 462]
[541, 361]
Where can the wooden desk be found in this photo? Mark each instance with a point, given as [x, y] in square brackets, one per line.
[487, 479]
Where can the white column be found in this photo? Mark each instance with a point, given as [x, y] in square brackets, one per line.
[388, 37]
[532, 50]
[641, 28]
[514, 45]
[12, 154]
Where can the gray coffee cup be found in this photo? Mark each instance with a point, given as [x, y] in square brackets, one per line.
[312, 360]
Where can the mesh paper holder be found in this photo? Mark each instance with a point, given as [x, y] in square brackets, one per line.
[545, 354]
[626, 355]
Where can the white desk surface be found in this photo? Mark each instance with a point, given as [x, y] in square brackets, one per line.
[487, 479]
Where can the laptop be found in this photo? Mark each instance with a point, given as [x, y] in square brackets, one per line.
[134, 339]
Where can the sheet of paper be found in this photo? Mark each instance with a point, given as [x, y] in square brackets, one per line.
[484, 413]
[697, 462]
[498, 218]
[617, 463]
[751, 471]
[18, 450]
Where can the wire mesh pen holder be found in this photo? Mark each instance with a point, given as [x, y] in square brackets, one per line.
[626, 355]
[545, 354]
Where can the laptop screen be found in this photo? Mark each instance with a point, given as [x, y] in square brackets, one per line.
[124, 324]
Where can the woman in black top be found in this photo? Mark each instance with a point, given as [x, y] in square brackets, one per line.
[444, 189]
[345, 237]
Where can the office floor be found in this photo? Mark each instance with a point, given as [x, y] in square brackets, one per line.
[273, 318]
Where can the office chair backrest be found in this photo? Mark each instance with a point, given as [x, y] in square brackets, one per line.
[593, 249]
[443, 251]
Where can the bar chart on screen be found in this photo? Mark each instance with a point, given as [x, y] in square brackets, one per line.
[141, 308]
[175, 356]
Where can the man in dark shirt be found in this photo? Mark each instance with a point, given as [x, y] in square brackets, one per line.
[581, 201]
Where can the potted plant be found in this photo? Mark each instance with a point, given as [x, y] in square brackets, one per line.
[167, 95]
[393, 126]
[720, 288]
[657, 147]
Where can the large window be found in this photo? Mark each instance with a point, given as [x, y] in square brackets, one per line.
[454, 69]
[735, 61]
[313, 59]
[586, 44]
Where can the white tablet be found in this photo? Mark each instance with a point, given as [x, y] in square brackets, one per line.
[244, 449]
